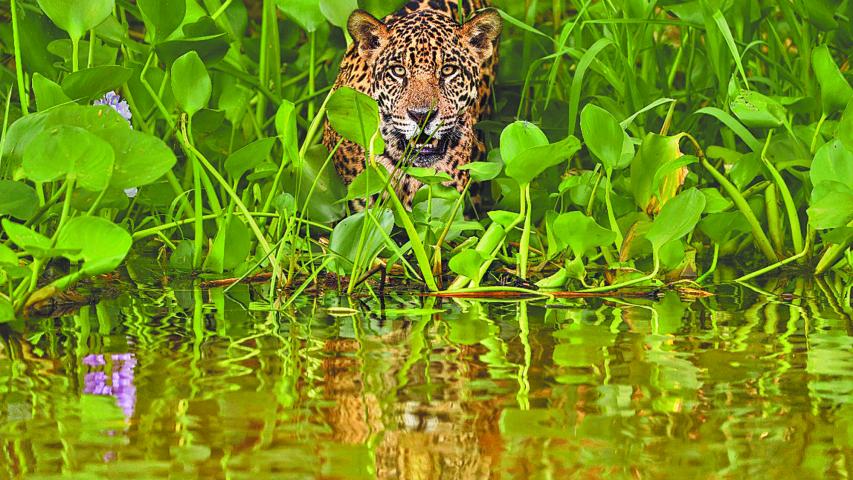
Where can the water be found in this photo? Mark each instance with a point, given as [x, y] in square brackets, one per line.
[158, 384]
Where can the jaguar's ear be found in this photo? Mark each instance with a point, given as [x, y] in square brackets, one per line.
[481, 32]
[369, 33]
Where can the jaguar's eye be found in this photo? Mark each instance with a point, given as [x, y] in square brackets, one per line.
[448, 70]
[398, 71]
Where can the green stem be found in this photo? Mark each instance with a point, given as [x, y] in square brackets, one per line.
[832, 254]
[774, 266]
[611, 217]
[75, 54]
[757, 230]
[790, 207]
[524, 244]
[19, 64]
[713, 267]
[607, 288]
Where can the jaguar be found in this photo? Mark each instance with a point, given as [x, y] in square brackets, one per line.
[430, 67]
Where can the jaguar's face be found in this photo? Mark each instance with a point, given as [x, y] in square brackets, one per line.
[426, 74]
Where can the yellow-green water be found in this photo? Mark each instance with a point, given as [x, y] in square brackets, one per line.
[199, 385]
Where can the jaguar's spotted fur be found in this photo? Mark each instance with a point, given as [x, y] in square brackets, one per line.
[431, 76]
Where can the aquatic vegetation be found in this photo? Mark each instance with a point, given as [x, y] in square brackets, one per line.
[632, 145]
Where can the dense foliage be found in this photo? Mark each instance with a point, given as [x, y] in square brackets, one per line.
[633, 142]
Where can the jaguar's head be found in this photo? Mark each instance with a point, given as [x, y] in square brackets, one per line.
[426, 75]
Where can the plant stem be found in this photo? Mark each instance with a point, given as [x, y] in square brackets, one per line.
[790, 207]
[19, 64]
[524, 244]
[607, 288]
[75, 54]
[742, 205]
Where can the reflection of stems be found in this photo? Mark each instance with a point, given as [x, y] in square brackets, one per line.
[523, 380]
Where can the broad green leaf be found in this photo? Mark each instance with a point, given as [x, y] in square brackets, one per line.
[325, 185]
[345, 240]
[248, 157]
[102, 245]
[285, 126]
[17, 199]
[833, 162]
[306, 13]
[467, 263]
[482, 171]
[530, 163]
[162, 17]
[428, 175]
[338, 11]
[844, 131]
[581, 233]
[757, 111]
[191, 83]
[24, 130]
[831, 205]
[381, 8]
[91, 83]
[7, 313]
[677, 218]
[48, 93]
[27, 239]
[210, 46]
[71, 152]
[734, 125]
[519, 137]
[715, 202]
[603, 136]
[141, 158]
[77, 16]
[365, 184]
[835, 91]
[355, 116]
[656, 153]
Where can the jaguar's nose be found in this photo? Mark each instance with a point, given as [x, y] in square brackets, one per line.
[421, 116]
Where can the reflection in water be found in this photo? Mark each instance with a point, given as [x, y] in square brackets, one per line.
[193, 385]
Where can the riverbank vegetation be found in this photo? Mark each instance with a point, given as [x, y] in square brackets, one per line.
[633, 144]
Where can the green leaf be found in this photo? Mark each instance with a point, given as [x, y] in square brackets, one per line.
[91, 83]
[191, 83]
[355, 116]
[656, 170]
[581, 233]
[720, 227]
[757, 111]
[835, 92]
[715, 202]
[530, 163]
[833, 163]
[77, 16]
[428, 175]
[141, 158]
[65, 151]
[285, 126]
[734, 125]
[27, 239]
[338, 11]
[467, 263]
[248, 157]
[677, 218]
[7, 313]
[324, 205]
[306, 13]
[831, 205]
[48, 93]
[162, 17]
[518, 137]
[102, 245]
[603, 136]
[366, 184]
[17, 199]
[482, 171]
[345, 240]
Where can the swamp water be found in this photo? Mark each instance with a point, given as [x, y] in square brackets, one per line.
[183, 384]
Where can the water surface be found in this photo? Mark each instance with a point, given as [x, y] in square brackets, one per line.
[192, 384]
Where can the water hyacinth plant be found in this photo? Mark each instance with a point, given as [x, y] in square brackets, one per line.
[632, 144]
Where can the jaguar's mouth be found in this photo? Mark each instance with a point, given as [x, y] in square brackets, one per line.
[423, 150]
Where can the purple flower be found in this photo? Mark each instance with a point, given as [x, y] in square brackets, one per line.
[112, 99]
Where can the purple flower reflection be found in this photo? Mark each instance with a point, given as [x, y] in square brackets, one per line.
[117, 383]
